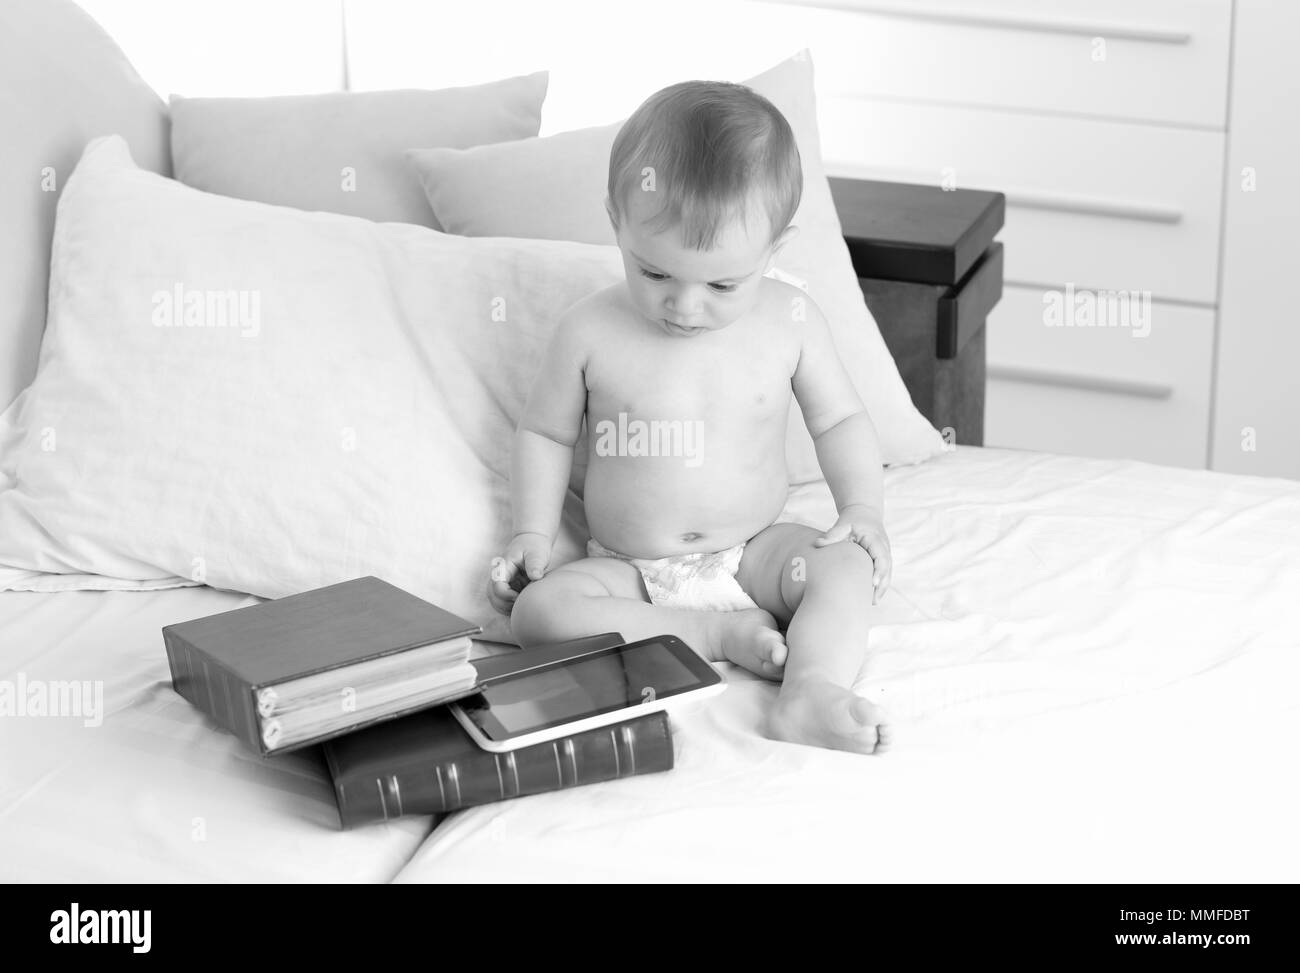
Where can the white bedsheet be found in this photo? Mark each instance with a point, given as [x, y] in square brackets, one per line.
[1093, 666]
[156, 792]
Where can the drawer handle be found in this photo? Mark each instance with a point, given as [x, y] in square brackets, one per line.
[1026, 198]
[1090, 383]
[1094, 207]
[1132, 32]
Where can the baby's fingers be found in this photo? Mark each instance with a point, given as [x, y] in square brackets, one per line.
[501, 596]
[506, 578]
[882, 566]
[840, 532]
[882, 585]
[535, 563]
[503, 571]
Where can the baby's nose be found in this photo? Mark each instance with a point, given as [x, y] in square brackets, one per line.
[686, 301]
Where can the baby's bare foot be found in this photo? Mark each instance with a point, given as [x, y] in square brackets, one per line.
[750, 639]
[821, 714]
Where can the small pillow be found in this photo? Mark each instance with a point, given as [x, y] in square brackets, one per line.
[267, 400]
[342, 152]
[553, 188]
[550, 188]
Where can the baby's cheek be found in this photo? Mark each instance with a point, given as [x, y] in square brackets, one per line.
[642, 295]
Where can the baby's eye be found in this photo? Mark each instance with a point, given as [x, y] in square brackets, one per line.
[652, 275]
[723, 288]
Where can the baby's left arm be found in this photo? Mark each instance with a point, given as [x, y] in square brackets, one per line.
[848, 448]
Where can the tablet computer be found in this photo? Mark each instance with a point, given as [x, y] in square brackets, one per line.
[598, 688]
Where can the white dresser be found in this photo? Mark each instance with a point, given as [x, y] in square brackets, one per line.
[1104, 122]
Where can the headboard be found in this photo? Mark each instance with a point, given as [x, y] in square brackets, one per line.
[63, 81]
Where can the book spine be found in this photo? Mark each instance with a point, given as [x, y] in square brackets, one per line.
[640, 746]
[223, 697]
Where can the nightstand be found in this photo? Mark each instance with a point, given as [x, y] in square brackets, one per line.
[930, 272]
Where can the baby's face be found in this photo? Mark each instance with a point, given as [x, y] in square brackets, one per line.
[686, 292]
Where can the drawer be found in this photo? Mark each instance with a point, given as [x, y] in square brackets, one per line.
[1099, 391]
[1096, 204]
[1166, 61]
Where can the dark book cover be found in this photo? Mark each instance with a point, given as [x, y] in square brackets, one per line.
[427, 764]
[219, 662]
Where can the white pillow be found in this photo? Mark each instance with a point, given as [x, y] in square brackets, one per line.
[358, 421]
[340, 151]
[554, 188]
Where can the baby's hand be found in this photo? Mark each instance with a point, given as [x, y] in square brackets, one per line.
[863, 526]
[525, 560]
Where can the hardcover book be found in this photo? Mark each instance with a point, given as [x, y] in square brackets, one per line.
[426, 763]
[298, 670]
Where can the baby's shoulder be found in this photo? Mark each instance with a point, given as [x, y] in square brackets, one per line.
[592, 314]
[786, 311]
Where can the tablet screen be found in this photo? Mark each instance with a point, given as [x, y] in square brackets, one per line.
[609, 680]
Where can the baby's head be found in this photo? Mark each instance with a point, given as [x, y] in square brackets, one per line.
[704, 179]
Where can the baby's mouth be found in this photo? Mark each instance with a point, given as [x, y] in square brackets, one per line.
[679, 328]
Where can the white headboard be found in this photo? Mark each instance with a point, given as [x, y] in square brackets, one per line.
[63, 81]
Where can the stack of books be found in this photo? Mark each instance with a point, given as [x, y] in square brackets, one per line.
[364, 669]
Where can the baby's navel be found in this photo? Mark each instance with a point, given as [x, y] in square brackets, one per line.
[690, 537]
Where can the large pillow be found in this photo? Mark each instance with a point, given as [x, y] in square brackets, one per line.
[268, 400]
[554, 188]
[342, 152]
[62, 82]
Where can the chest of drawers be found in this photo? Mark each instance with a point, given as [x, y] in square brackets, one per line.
[1104, 124]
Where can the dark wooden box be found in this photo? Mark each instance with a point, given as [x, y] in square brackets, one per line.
[931, 273]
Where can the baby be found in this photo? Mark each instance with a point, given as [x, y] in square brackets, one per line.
[684, 373]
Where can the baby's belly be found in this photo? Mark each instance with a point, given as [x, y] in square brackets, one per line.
[658, 506]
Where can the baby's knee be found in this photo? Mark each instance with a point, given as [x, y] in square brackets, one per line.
[534, 605]
[844, 561]
[544, 606]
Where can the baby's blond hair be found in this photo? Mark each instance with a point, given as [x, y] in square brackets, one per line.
[705, 147]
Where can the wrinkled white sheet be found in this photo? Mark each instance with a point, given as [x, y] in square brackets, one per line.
[1093, 666]
[156, 792]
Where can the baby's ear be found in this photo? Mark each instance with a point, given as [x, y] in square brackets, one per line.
[785, 236]
[613, 217]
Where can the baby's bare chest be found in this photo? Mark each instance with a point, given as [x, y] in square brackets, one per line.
[689, 379]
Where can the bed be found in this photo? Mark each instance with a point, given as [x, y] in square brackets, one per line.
[1089, 695]
[1091, 664]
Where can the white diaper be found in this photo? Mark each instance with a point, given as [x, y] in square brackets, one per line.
[700, 582]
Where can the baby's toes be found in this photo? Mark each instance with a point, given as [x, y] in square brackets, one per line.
[865, 712]
[775, 649]
[884, 737]
[871, 730]
[772, 652]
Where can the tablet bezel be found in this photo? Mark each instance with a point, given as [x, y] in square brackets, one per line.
[489, 733]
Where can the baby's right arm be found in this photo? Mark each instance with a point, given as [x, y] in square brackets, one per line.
[542, 458]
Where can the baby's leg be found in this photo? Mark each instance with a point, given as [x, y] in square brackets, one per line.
[824, 594]
[604, 594]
